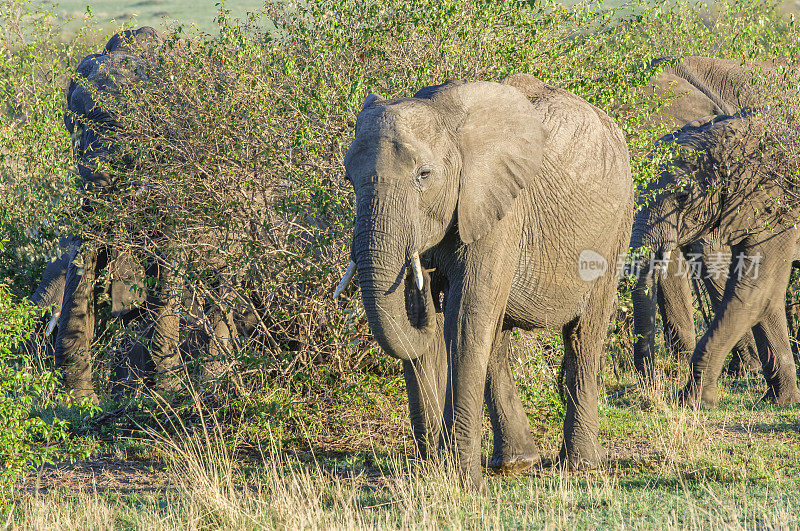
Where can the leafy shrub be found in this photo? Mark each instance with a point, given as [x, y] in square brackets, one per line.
[229, 169]
[30, 434]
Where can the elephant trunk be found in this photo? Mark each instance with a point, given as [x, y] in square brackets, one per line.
[401, 316]
[50, 290]
[644, 321]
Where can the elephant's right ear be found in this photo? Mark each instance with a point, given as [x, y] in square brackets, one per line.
[501, 140]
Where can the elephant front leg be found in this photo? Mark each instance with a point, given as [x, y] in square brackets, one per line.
[476, 303]
[514, 449]
[426, 382]
[166, 357]
[744, 359]
[73, 354]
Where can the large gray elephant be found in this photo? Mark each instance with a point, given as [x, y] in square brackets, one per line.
[466, 227]
[715, 189]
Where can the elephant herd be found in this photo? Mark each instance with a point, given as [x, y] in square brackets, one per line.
[485, 206]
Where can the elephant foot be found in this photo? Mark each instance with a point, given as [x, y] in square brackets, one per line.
[514, 464]
[581, 457]
[781, 398]
[472, 481]
[690, 395]
[516, 452]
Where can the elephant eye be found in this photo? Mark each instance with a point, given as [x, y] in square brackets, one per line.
[423, 174]
[682, 196]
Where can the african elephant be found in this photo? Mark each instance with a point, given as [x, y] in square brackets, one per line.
[694, 88]
[465, 228]
[153, 316]
[714, 189]
[89, 126]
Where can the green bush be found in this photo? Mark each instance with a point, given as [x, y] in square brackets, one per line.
[230, 172]
[30, 433]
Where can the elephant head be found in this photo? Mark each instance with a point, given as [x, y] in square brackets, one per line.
[86, 120]
[418, 166]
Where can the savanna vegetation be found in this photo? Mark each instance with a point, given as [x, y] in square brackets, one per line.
[229, 174]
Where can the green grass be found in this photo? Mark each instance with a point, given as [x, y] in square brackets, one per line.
[198, 13]
[736, 465]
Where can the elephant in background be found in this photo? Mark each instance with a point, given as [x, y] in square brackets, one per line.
[152, 315]
[89, 126]
[477, 204]
[714, 190]
[697, 87]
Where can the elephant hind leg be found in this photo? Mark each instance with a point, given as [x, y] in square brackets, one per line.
[777, 362]
[514, 447]
[744, 359]
[583, 344]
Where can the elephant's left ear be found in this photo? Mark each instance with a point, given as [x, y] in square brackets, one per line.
[501, 140]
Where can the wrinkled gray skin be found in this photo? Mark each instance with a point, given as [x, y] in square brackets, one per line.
[697, 87]
[484, 180]
[87, 124]
[731, 210]
[676, 306]
[49, 294]
[704, 86]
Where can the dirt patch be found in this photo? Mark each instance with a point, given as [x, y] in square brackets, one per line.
[98, 475]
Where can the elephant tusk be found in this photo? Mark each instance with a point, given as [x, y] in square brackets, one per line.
[75, 137]
[417, 266]
[52, 324]
[348, 276]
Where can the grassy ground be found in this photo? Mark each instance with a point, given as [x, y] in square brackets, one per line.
[201, 14]
[150, 12]
[737, 465]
